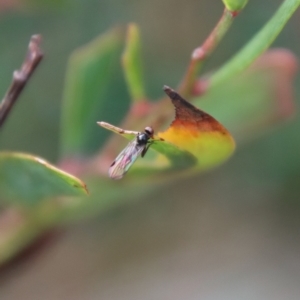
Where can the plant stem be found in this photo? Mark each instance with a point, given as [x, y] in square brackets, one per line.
[201, 53]
[259, 43]
[20, 77]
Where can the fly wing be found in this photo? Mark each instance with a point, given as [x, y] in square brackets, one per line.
[125, 160]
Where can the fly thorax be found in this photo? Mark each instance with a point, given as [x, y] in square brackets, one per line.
[142, 138]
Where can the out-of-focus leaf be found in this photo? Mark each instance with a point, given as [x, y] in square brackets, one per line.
[256, 99]
[90, 93]
[27, 179]
[132, 64]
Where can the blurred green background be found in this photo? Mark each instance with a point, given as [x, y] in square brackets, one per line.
[232, 233]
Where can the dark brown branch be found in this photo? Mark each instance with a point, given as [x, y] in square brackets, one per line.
[20, 77]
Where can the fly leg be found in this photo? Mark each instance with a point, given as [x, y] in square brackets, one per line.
[146, 149]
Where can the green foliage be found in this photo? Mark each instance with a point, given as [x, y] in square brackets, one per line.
[242, 102]
[258, 44]
[27, 180]
[92, 77]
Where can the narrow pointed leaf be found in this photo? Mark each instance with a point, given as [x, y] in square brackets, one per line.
[27, 179]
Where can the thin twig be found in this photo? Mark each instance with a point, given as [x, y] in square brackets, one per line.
[20, 77]
[201, 53]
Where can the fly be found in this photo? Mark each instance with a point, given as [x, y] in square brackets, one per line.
[138, 146]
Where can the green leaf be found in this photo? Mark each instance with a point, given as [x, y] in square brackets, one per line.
[90, 94]
[177, 157]
[257, 45]
[26, 179]
[132, 64]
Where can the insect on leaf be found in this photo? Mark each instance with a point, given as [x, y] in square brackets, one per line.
[194, 140]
